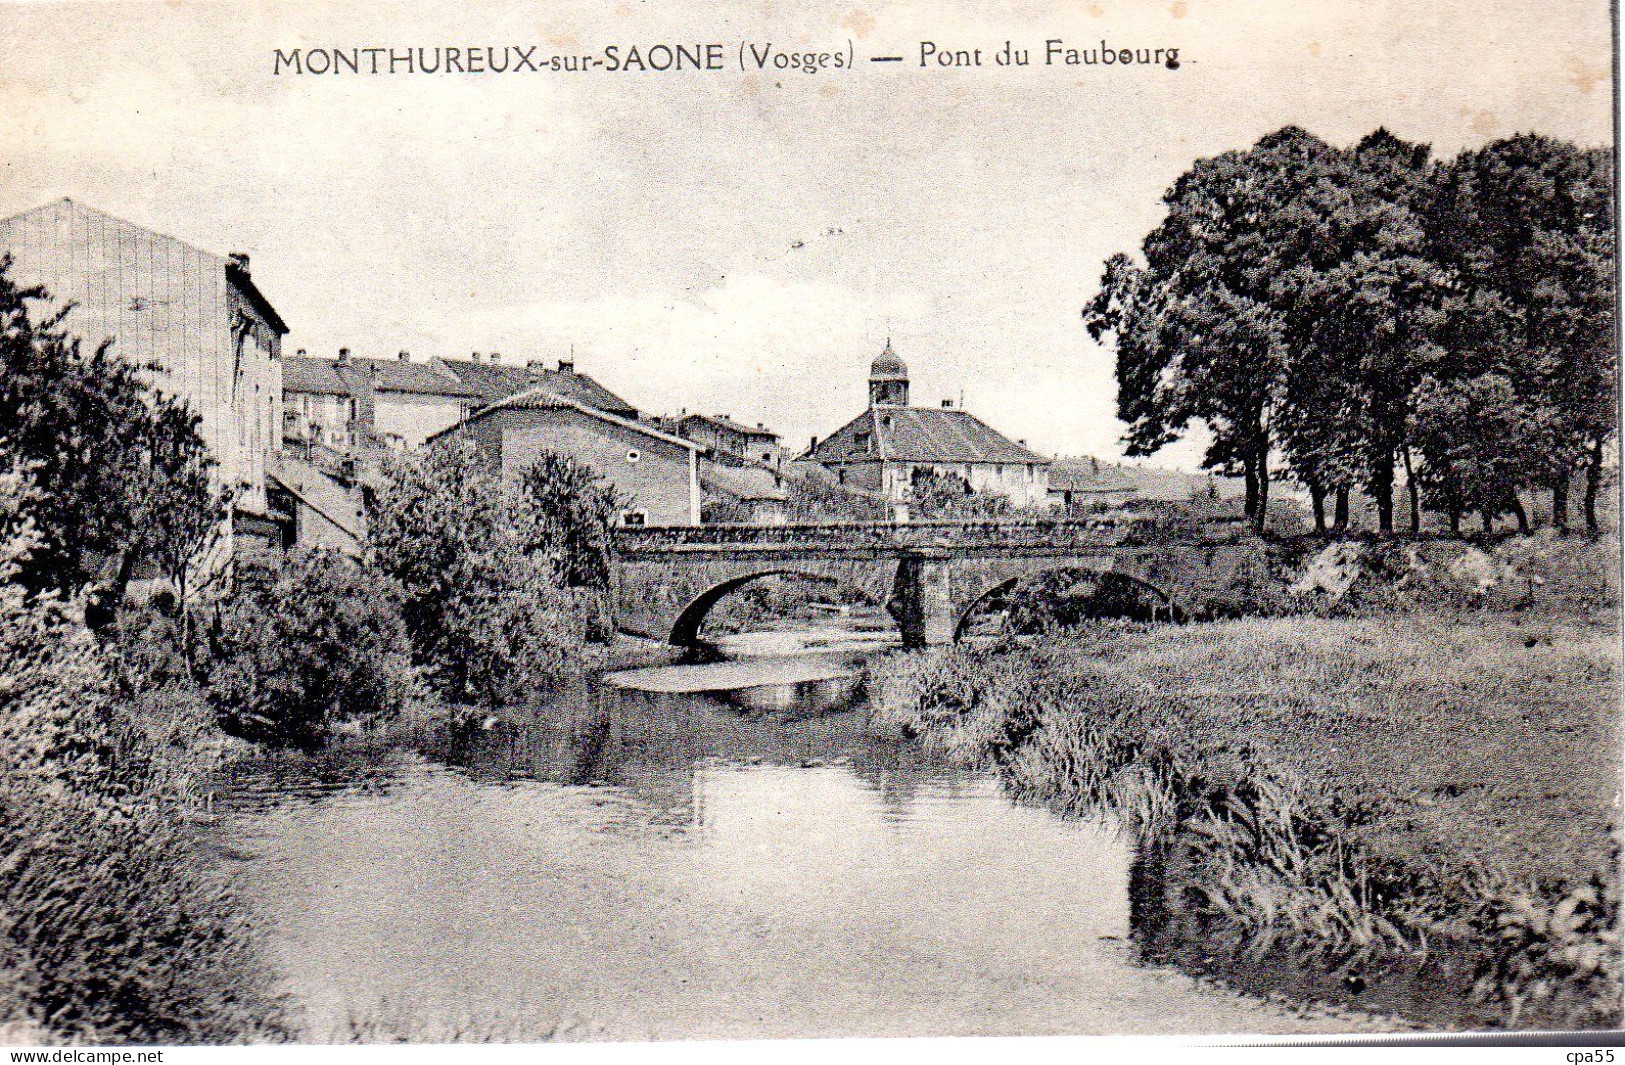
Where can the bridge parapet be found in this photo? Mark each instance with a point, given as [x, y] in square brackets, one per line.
[876, 538]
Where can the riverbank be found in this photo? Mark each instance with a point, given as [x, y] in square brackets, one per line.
[608, 862]
[1409, 813]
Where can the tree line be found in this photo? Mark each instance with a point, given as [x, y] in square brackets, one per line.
[1335, 316]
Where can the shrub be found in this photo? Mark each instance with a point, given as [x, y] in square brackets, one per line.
[484, 601]
[111, 929]
[296, 652]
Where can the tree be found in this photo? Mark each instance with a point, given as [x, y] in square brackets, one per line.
[120, 470]
[483, 601]
[569, 514]
[316, 643]
[1201, 329]
[948, 495]
[1527, 222]
[1473, 437]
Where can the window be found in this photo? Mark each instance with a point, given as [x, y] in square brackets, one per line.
[863, 441]
[634, 518]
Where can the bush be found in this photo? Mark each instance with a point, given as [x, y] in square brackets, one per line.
[482, 571]
[111, 929]
[297, 652]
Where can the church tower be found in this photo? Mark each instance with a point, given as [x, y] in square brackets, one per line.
[888, 380]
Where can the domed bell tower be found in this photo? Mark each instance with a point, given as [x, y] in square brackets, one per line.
[888, 380]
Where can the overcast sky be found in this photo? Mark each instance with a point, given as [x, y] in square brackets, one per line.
[736, 243]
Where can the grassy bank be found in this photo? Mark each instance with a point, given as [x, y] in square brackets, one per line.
[115, 927]
[1413, 811]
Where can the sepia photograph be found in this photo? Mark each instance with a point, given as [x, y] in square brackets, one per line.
[631, 523]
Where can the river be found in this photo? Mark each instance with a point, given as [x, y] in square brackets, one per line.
[708, 851]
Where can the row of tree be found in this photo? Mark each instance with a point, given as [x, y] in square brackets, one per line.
[1338, 315]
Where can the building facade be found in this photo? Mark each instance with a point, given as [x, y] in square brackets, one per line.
[195, 314]
[726, 437]
[351, 405]
[892, 445]
[657, 473]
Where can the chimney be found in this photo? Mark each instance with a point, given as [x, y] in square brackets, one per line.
[406, 356]
[301, 353]
[344, 355]
[478, 357]
[496, 356]
[567, 365]
[535, 368]
[814, 445]
[947, 404]
[241, 259]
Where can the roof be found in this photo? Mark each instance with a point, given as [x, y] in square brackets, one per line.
[238, 275]
[1086, 475]
[725, 422]
[235, 271]
[319, 492]
[496, 380]
[921, 434]
[321, 376]
[748, 483]
[540, 398]
[348, 376]
[887, 366]
[416, 378]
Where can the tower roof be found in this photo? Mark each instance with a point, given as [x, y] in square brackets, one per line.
[887, 366]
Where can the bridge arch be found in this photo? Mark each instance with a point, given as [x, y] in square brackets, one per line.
[999, 588]
[685, 631]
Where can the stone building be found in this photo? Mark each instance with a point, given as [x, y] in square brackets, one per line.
[890, 446]
[350, 405]
[726, 437]
[195, 314]
[657, 472]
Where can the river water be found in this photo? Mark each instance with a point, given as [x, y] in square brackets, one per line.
[691, 852]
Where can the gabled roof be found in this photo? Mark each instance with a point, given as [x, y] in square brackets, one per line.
[920, 434]
[318, 376]
[540, 398]
[415, 378]
[345, 377]
[497, 380]
[234, 270]
[724, 422]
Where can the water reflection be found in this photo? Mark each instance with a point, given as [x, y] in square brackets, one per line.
[658, 864]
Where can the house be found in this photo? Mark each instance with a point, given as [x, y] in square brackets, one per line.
[726, 437]
[657, 472]
[892, 444]
[498, 380]
[349, 404]
[317, 510]
[196, 315]
[1084, 484]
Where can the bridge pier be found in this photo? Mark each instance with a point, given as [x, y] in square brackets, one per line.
[922, 599]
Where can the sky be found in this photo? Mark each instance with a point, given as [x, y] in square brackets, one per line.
[742, 242]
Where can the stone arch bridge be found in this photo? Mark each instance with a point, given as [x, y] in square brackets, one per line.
[930, 575]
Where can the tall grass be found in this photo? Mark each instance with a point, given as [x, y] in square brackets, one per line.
[113, 929]
[1294, 806]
